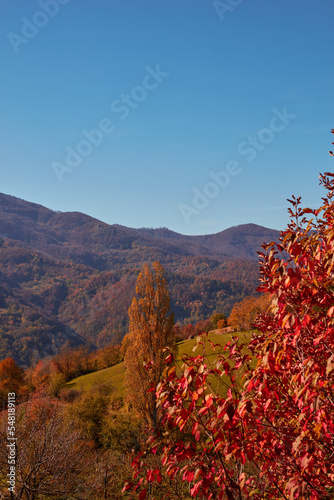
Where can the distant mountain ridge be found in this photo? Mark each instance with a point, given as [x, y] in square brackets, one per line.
[37, 225]
[241, 241]
[68, 277]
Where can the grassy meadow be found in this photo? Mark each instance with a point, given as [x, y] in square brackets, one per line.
[114, 376]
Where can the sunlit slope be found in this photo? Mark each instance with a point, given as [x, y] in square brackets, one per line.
[114, 376]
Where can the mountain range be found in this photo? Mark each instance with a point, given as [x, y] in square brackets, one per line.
[66, 277]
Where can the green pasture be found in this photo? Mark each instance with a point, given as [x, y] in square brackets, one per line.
[114, 376]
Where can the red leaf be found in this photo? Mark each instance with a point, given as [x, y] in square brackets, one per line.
[184, 414]
[169, 359]
[188, 476]
[127, 486]
[195, 489]
[330, 311]
[208, 401]
[266, 406]
[250, 386]
[230, 411]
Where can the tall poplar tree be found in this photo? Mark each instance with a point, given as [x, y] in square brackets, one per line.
[150, 331]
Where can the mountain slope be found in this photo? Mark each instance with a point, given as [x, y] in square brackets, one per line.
[69, 278]
[76, 235]
[241, 242]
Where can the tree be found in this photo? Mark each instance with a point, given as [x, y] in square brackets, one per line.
[51, 458]
[183, 332]
[46, 376]
[203, 326]
[243, 313]
[90, 412]
[150, 331]
[11, 379]
[40, 374]
[218, 320]
[270, 435]
[108, 356]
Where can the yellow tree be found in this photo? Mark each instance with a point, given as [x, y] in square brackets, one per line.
[150, 331]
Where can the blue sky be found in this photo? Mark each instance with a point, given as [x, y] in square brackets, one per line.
[194, 115]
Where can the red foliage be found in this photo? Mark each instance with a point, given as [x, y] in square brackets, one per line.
[271, 434]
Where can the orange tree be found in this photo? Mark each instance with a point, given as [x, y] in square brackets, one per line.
[243, 313]
[271, 435]
[11, 380]
[150, 331]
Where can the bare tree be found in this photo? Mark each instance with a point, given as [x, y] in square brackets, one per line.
[51, 458]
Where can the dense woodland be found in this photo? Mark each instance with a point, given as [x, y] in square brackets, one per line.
[69, 279]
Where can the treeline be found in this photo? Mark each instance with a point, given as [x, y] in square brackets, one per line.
[53, 372]
[70, 444]
[42, 300]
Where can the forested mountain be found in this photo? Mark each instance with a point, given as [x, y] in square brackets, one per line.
[70, 277]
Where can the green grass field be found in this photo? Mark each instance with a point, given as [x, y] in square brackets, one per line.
[186, 346]
[114, 376]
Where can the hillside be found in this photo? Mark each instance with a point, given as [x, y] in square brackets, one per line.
[69, 278]
[114, 376]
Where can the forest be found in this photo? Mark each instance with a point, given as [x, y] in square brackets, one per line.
[235, 406]
[68, 279]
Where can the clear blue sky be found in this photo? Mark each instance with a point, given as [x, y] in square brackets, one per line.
[210, 115]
